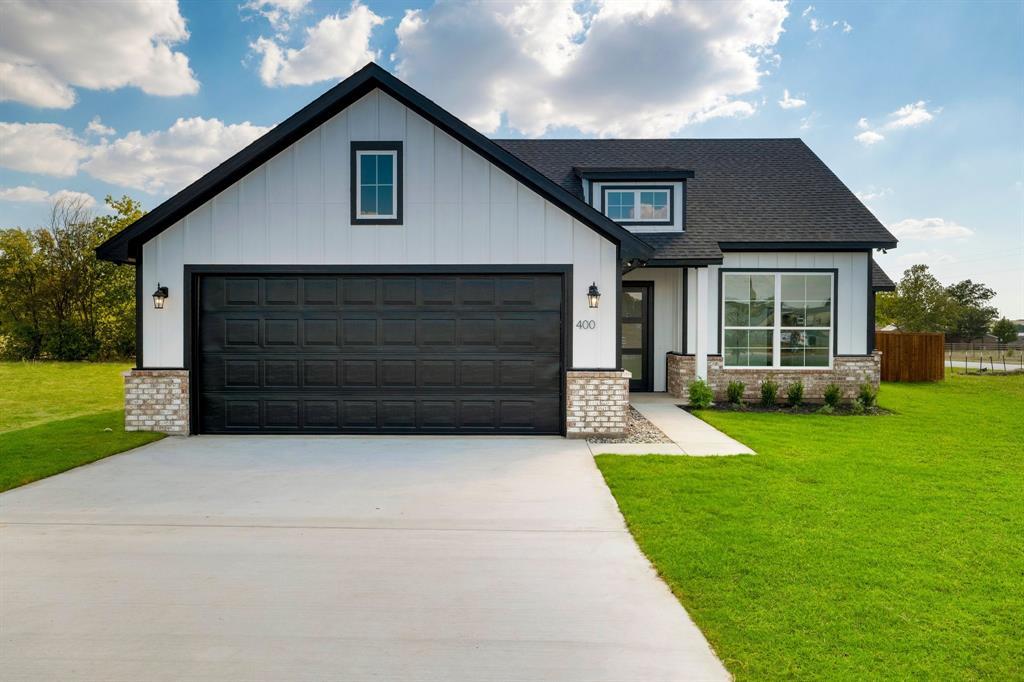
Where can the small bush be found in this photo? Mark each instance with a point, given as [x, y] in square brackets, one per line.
[735, 392]
[769, 392]
[867, 396]
[795, 394]
[826, 409]
[833, 395]
[700, 394]
[857, 407]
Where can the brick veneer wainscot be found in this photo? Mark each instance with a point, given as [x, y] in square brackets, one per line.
[848, 372]
[156, 400]
[597, 403]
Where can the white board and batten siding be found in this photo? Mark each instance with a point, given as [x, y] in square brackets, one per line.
[459, 209]
[850, 308]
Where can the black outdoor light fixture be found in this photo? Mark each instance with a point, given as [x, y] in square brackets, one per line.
[159, 296]
[593, 296]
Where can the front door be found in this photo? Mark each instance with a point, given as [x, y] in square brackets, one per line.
[636, 333]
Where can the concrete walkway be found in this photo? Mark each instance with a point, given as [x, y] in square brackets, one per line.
[334, 558]
[690, 436]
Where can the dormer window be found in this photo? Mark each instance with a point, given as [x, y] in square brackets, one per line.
[638, 205]
[376, 183]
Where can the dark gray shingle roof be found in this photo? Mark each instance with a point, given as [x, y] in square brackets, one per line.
[744, 190]
[880, 280]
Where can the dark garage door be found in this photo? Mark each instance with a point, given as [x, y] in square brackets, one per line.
[379, 354]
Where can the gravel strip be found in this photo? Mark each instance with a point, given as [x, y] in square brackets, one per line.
[639, 430]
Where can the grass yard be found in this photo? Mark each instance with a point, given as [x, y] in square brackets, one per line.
[54, 416]
[850, 548]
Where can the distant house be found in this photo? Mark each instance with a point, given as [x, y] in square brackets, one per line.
[374, 265]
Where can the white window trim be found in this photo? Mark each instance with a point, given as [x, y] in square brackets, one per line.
[777, 327]
[667, 191]
[360, 153]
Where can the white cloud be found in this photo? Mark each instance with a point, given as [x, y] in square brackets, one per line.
[815, 25]
[96, 127]
[909, 116]
[846, 27]
[929, 229]
[863, 124]
[23, 194]
[46, 148]
[280, 13]
[606, 68]
[807, 122]
[333, 49]
[926, 257]
[873, 193]
[163, 161]
[869, 137]
[47, 48]
[788, 102]
[807, 10]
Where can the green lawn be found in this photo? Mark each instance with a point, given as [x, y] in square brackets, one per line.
[54, 416]
[850, 548]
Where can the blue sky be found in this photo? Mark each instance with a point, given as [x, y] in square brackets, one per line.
[919, 109]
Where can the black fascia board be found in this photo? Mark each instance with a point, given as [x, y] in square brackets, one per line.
[805, 246]
[681, 262]
[641, 174]
[125, 246]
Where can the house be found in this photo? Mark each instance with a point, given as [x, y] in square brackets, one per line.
[374, 265]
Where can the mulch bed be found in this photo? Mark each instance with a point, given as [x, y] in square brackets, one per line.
[639, 430]
[844, 410]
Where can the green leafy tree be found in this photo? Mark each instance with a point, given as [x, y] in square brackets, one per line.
[970, 316]
[1005, 331]
[56, 299]
[919, 304]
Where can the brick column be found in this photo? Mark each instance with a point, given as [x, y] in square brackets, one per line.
[156, 400]
[597, 402]
[681, 371]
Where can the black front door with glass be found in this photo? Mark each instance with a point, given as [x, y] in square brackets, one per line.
[636, 333]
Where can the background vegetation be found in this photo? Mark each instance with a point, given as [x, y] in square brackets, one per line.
[57, 301]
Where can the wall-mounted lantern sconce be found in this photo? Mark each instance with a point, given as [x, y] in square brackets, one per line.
[593, 296]
[159, 296]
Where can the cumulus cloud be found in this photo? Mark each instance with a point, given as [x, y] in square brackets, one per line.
[873, 193]
[869, 137]
[21, 144]
[280, 13]
[929, 229]
[166, 160]
[47, 48]
[96, 127]
[788, 102]
[34, 195]
[333, 49]
[608, 69]
[926, 257]
[909, 116]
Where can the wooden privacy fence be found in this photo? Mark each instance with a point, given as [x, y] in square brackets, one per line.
[911, 356]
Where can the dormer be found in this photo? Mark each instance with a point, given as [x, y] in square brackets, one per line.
[639, 199]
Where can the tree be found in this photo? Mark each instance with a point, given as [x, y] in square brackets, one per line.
[919, 304]
[1005, 331]
[970, 317]
[56, 299]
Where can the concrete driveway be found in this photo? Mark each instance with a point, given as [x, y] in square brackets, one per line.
[321, 558]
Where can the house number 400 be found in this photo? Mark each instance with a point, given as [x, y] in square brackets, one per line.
[586, 324]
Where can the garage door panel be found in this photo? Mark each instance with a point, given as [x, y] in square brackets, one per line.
[373, 354]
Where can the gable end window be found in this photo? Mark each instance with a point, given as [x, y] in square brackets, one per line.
[778, 319]
[634, 205]
[376, 175]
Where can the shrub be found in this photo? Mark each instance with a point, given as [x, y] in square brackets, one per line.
[735, 392]
[795, 394]
[857, 407]
[826, 409]
[833, 395]
[700, 394]
[769, 392]
[867, 396]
